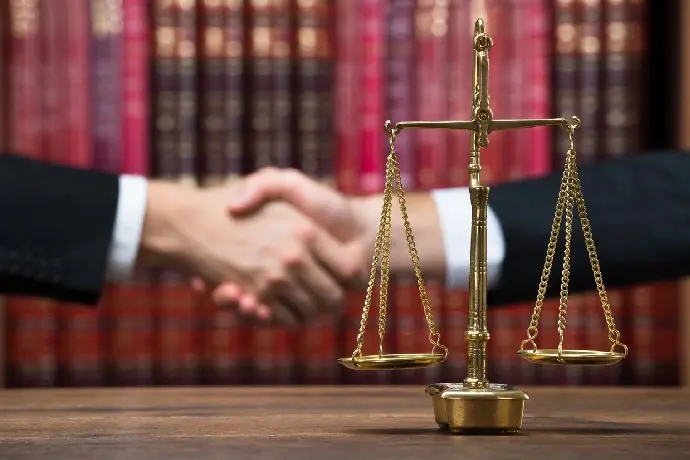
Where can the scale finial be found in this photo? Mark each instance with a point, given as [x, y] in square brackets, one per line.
[479, 26]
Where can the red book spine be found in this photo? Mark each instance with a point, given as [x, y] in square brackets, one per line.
[625, 134]
[4, 144]
[586, 322]
[565, 94]
[31, 322]
[369, 122]
[282, 54]
[259, 135]
[347, 137]
[129, 332]
[135, 74]
[175, 352]
[238, 337]
[212, 125]
[372, 138]
[4, 84]
[79, 346]
[586, 21]
[316, 348]
[104, 25]
[431, 19]
[347, 95]
[534, 17]
[400, 89]
[216, 344]
[455, 303]
[233, 98]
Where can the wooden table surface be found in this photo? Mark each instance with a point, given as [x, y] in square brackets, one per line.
[331, 423]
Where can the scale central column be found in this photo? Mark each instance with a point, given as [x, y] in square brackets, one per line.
[477, 334]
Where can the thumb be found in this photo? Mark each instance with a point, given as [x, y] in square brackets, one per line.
[258, 188]
[322, 204]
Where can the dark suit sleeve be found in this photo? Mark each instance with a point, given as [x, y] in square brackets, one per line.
[639, 211]
[55, 229]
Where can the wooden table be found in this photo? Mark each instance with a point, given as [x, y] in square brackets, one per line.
[331, 423]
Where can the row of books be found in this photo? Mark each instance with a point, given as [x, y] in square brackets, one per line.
[204, 92]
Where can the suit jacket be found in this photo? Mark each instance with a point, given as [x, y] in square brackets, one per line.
[639, 212]
[56, 225]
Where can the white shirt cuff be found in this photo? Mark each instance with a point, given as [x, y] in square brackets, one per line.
[454, 211]
[129, 222]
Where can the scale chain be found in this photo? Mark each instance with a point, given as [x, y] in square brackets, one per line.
[382, 256]
[570, 193]
[374, 265]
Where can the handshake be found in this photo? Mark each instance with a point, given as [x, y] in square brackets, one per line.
[277, 245]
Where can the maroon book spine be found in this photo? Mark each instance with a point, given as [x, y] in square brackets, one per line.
[234, 93]
[4, 77]
[31, 322]
[174, 353]
[4, 144]
[400, 91]
[280, 352]
[129, 329]
[218, 327]
[177, 319]
[459, 90]
[260, 85]
[346, 95]
[565, 104]
[79, 346]
[317, 343]
[282, 56]
[238, 336]
[369, 170]
[214, 367]
[212, 123]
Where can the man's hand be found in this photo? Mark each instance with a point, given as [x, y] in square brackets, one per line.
[276, 254]
[353, 221]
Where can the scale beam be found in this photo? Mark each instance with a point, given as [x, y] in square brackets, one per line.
[494, 125]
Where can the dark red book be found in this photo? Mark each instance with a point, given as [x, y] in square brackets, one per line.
[316, 347]
[4, 143]
[129, 333]
[217, 328]
[459, 88]
[68, 45]
[174, 137]
[4, 75]
[399, 93]
[31, 322]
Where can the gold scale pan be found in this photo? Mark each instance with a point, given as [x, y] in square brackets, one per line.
[476, 394]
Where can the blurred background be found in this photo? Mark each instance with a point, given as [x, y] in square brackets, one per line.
[207, 91]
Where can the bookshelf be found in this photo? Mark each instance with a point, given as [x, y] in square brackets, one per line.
[322, 82]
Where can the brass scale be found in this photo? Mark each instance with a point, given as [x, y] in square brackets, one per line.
[476, 404]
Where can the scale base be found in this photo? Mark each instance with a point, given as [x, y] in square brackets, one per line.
[494, 410]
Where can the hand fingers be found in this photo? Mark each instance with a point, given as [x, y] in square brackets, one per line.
[322, 204]
[282, 310]
[344, 262]
[322, 287]
[229, 295]
[291, 302]
[289, 307]
[198, 285]
[300, 303]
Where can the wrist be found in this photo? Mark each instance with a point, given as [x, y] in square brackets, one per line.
[161, 243]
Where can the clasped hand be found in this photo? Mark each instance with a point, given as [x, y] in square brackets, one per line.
[277, 246]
